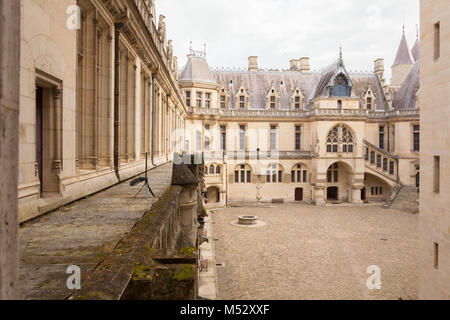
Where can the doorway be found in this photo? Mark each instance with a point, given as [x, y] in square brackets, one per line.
[299, 194]
[332, 193]
[363, 194]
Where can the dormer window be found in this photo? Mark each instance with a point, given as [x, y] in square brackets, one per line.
[272, 102]
[242, 102]
[369, 103]
[222, 101]
[297, 102]
[368, 100]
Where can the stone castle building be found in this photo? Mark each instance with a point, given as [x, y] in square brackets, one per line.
[298, 135]
[98, 93]
[101, 94]
[434, 278]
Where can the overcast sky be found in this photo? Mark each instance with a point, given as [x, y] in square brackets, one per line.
[279, 30]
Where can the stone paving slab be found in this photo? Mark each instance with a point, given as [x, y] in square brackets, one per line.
[308, 252]
[81, 234]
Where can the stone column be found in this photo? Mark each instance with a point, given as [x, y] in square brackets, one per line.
[356, 194]
[9, 123]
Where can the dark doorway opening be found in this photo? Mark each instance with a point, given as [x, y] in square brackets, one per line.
[363, 194]
[39, 128]
[332, 193]
[299, 194]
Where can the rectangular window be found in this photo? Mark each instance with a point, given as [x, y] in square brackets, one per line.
[199, 99]
[372, 190]
[280, 176]
[381, 138]
[391, 167]
[248, 176]
[268, 176]
[273, 138]
[437, 169]
[385, 164]
[436, 255]
[236, 176]
[242, 102]
[329, 176]
[305, 176]
[381, 190]
[437, 40]
[207, 143]
[336, 176]
[293, 176]
[222, 102]
[243, 176]
[207, 100]
[367, 154]
[272, 102]
[188, 98]
[299, 173]
[241, 138]
[372, 157]
[297, 138]
[369, 103]
[416, 138]
[274, 176]
[378, 161]
[223, 138]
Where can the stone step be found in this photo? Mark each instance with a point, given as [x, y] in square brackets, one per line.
[406, 199]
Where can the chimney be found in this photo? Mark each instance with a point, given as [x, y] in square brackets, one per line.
[304, 65]
[295, 65]
[253, 63]
[378, 68]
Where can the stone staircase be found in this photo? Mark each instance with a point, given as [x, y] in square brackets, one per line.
[405, 199]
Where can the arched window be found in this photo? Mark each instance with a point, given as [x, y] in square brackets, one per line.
[218, 170]
[347, 141]
[340, 135]
[274, 173]
[242, 174]
[332, 140]
[211, 169]
[299, 174]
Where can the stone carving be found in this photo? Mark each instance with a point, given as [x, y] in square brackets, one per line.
[175, 67]
[162, 29]
[169, 51]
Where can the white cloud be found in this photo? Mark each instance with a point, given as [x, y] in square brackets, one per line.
[280, 30]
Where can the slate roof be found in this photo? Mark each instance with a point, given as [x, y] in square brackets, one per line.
[405, 97]
[404, 55]
[197, 69]
[415, 51]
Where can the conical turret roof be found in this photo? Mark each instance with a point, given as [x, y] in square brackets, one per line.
[404, 55]
[197, 70]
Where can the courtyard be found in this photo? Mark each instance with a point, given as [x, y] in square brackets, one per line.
[308, 252]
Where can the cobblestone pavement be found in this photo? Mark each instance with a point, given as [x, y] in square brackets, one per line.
[80, 234]
[307, 252]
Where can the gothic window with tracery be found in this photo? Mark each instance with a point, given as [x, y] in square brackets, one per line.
[340, 135]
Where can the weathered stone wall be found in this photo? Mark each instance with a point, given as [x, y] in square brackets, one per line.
[9, 118]
[158, 258]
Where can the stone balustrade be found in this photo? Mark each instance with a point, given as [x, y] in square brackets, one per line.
[381, 161]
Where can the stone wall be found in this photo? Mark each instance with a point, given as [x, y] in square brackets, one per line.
[158, 258]
[9, 115]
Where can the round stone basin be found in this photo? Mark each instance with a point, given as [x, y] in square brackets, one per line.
[247, 220]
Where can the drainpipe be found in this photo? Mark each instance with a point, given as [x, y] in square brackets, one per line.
[118, 27]
[154, 75]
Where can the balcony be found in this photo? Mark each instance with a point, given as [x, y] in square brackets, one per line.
[268, 113]
[256, 155]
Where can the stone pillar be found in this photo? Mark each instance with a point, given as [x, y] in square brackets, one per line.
[319, 195]
[9, 122]
[356, 195]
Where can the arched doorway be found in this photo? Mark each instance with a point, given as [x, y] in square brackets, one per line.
[340, 179]
[212, 195]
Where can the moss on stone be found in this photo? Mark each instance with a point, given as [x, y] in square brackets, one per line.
[186, 272]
